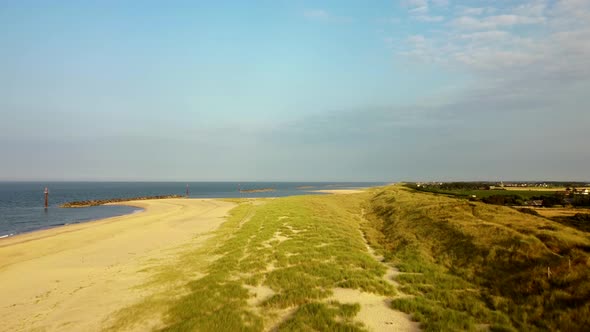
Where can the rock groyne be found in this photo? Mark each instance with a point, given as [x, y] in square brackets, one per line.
[96, 202]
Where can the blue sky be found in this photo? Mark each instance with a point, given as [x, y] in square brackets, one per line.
[294, 90]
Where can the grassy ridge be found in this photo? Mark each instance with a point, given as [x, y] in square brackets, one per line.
[472, 266]
[298, 247]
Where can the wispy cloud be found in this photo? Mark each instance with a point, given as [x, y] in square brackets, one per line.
[440, 3]
[493, 22]
[322, 15]
[525, 60]
[415, 3]
[494, 39]
[422, 10]
[474, 11]
[428, 18]
[419, 10]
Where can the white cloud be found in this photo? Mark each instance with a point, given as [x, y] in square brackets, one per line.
[486, 35]
[533, 9]
[416, 39]
[428, 18]
[440, 3]
[322, 15]
[419, 10]
[316, 14]
[471, 11]
[415, 3]
[493, 22]
[559, 45]
[528, 66]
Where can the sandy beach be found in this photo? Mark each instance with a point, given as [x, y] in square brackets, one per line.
[71, 278]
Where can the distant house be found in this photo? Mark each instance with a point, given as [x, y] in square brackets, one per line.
[535, 202]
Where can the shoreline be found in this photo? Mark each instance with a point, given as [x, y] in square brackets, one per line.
[75, 276]
[52, 231]
[136, 203]
[78, 222]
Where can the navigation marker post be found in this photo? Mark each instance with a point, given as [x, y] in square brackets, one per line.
[187, 191]
[46, 197]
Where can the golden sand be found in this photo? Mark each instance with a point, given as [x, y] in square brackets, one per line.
[72, 278]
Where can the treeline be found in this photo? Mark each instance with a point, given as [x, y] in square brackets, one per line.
[547, 200]
[503, 200]
[463, 188]
[580, 221]
[453, 186]
[487, 185]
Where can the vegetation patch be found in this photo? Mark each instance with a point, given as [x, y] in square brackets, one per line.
[331, 316]
[580, 221]
[472, 266]
[298, 248]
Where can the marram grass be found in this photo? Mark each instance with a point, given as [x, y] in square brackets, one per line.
[471, 266]
[300, 247]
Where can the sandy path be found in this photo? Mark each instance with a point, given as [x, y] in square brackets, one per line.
[73, 277]
[376, 312]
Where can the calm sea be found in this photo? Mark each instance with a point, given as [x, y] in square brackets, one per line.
[22, 210]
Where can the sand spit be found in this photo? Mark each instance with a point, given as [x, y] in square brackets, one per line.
[71, 278]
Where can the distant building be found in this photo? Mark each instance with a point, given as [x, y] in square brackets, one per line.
[535, 202]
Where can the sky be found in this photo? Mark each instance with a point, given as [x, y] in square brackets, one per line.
[277, 90]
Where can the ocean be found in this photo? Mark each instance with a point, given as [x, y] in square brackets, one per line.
[22, 203]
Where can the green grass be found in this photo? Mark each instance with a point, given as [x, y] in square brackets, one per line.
[300, 247]
[466, 266]
[324, 317]
[473, 266]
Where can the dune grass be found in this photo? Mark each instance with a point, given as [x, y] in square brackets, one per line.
[472, 266]
[299, 247]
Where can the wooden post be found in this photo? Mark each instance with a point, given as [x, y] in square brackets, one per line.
[187, 191]
[46, 197]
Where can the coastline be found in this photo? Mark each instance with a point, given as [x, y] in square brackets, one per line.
[92, 269]
[130, 202]
[139, 209]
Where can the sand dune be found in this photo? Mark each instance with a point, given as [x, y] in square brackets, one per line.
[73, 277]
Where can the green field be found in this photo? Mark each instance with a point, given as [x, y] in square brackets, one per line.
[525, 194]
[275, 263]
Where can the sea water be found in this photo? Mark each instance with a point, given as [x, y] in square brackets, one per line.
[22, 203]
